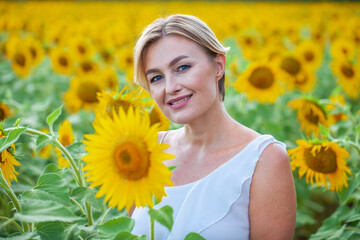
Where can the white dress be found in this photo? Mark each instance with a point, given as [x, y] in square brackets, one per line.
[216, 206]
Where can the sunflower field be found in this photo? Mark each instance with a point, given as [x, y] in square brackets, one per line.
[78, 139]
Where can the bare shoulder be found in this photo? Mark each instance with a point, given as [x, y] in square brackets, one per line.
[272, 196]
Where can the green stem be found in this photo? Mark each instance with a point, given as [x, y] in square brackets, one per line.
[353, 229]
[152, 228]
[104, 216]
[89, 214]
[10, 220]
[77, 169]
[79, 206]
[4, 184]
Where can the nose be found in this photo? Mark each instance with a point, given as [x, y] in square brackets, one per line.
[172, 85]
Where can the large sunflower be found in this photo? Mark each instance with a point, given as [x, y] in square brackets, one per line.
[83, 93]
[5, 111]
[7, 163]
[108, 102]
[125, 160]
[66, 138]
[310, 114]
[348, 75]
[322, 162]
[260, 81]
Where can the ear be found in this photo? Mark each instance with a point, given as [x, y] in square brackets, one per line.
[220, 65]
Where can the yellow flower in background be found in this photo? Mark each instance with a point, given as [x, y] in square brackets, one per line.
[348, 76]
[156, 116]
[7, 163]
[109, 77]
[36, 50]
[299, 76]
[5, 111]
[62, 62]
[309, 114]
[250, 42]
[66, 138]
[126, 161]
[87, 67]
[343, 48]
[334, 115]
[311, 53]
[107, 56]
[82, 93]
[110, 102]
[260, 81]
[45, 152]
[323, 163]
[125, 59]
[82, 48]
[21, 61]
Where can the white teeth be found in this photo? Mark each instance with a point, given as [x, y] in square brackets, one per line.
[184, 99]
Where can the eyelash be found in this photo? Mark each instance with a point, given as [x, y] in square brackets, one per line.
[152, 80]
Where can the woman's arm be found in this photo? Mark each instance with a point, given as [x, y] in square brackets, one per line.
[272, 208]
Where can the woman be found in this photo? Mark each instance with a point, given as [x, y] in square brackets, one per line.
[230, 181]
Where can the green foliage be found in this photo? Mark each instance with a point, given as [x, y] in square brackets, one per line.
[163, 215]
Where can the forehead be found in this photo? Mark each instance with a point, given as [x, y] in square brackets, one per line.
[169, 47]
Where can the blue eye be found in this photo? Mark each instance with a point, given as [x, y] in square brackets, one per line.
[156, 78]
[183, 68]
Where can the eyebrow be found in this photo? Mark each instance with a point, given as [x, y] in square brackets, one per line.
[172, 62]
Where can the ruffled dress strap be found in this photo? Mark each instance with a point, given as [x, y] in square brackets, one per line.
[210, 199]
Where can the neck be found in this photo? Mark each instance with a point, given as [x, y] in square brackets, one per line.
[210, 130]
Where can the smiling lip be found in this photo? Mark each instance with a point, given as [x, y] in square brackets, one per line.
[179, 102]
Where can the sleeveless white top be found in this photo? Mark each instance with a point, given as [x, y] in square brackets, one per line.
[216, 206]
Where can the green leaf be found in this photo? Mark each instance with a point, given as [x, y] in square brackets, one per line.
[36, 211]
[172, 168]
[111, 228]
[346, 193]
[50, 230]
[18, 121]
[324, 131]
[12, 137]
[84, 194]
[353, 218]
[128, 236]
[52, 117]
[71, 232]
[357, 129]
[163, 216]
[194, 236]
[25, 236]
[43, 141]
[50, 186]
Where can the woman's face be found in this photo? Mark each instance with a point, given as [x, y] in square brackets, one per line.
[182, 77]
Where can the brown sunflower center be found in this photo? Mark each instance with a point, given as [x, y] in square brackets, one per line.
[81, 49]
[106, 56]
[86, 66]
[262, 77]
[154, 117]
[33, 52]
[347, 71]
[63, 61]
[20, 59]
[309, 56]
[116, 105]
[323, 161]
[132, 160]
[129, 60]
[87, 92]
[2, 114]
[312, 117]
[248, 41]
[290, 65]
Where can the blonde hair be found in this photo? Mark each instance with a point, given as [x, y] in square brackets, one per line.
[182, 25]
